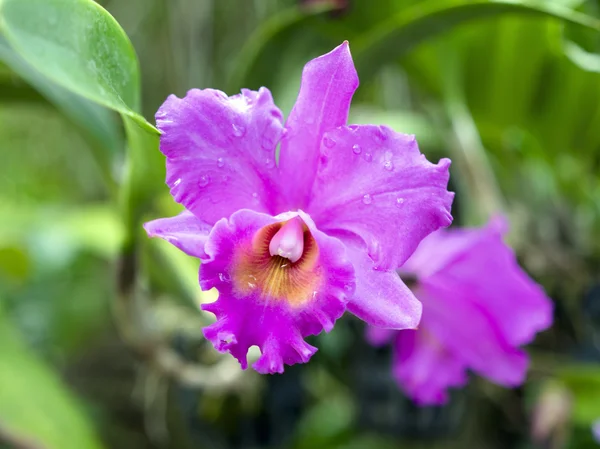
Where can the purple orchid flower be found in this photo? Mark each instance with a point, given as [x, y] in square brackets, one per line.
[479, 308]
[291, 245]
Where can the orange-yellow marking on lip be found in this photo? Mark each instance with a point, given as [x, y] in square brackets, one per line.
[276, 277]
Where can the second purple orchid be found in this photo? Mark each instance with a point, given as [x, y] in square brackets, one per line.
[480, 307]
[291, 244]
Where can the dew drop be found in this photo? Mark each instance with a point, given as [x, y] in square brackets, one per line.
[399, 202]
[367, 199]
[238, 130]
[204, 180]
[328, 142]
[220, 162]
[388, 165]
[356, 149]
[223, 277]
[368, 157]
[177, 182]
[269, 162]
[255, 197]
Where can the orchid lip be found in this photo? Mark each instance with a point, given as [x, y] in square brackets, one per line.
[282, 263]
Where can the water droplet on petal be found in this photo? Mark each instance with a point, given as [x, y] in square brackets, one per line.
[177, 182]
[220, 162]
[255, 197]
[388, 165]
[204, 180]
[368, 157]
[328, 142]
[223, 277]
[367, 199]
[356, 149]
[399, 202]
[269, 162]
[238, 130]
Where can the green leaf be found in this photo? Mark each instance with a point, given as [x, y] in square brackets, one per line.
[51, 231]
[14, 264]
[582, 58]
[97, 122]
[34, 404]
[395, 36]
[583, 381]
[77, 45]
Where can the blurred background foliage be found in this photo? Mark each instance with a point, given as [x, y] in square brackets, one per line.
[100, 341]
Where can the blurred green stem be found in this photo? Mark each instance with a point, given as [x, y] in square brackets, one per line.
[132, 323]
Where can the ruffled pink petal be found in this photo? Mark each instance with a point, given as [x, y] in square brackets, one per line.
[381, 298]
[220, 150]
[424, 369]
[250, 311]
[374, 183]
[328, 83]
[184, 231]
[479, 267]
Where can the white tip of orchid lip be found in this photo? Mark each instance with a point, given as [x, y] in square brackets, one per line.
[288, 242]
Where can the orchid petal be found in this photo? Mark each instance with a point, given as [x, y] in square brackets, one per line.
[328, 83]
[468, 333]
[184, 231]
[374, 183]
[220, 150]
[424, 369]
[381, 298]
